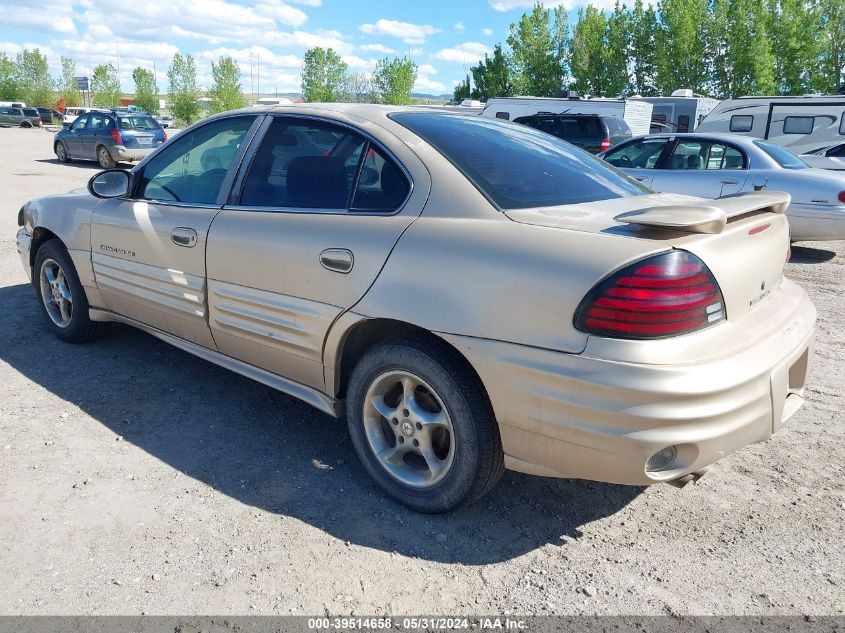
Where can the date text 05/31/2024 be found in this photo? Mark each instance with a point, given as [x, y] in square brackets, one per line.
[416, 623]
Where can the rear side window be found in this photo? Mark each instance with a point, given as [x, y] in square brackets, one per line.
[742, 123]
[798, 124]
[515, 166]
[642, 154]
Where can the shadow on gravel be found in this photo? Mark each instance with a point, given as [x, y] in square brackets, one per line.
[270, 451]
[91, 165]
[807, 255]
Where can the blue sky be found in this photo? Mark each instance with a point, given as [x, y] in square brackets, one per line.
[443, 37]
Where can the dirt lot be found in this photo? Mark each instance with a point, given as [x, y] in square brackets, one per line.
[135, 478]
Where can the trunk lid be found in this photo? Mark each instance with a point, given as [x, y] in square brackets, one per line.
[743, 239]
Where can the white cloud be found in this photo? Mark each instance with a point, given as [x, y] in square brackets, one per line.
[55, 19]
[309, 3]
[487, 32]
[424, 84]
[359, 63]
[305, 40]
[377, 48]
[459, 26]
[407, 32]
[510, 5]
[468, 52]
[427, 69]
[281, 12]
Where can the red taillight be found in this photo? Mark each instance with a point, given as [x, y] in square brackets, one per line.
[164, 134]
[665, 295]
[605, 144]
[841, 197]
[115, 134]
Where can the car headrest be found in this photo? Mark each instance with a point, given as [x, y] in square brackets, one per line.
[317, 182]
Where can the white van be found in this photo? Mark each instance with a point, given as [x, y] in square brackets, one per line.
[12, 104]
[801, 124]
[636, 113]
[682, 112]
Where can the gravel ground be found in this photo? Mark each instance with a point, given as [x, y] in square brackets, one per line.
[135, 478]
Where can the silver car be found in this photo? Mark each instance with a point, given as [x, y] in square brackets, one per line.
[718, 165]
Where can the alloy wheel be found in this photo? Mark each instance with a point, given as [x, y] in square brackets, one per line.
[408, 429]
[55, 293]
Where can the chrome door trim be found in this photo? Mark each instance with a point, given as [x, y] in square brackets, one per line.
[315, 398]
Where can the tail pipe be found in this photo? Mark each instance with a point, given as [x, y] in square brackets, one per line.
[692, 477]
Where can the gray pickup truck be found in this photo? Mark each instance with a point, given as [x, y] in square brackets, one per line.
[21, 117]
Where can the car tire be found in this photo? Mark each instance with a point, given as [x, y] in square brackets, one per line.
[104, 158]
[26, 124]
[441, 449]
[61, 153]
[57, 283]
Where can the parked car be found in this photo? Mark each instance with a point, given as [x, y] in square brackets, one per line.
[591, 132]
[471, 294]
[832, 157]
[19, 117]
[50, 116]
[71, 114]
[165, 121]
[109, 138]
[717, 165]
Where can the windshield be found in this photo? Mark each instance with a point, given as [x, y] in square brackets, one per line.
[782, 156]
[138, 123]
[516, 166]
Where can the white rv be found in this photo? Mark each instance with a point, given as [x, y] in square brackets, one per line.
[636, 113]
[801, 124]
[682, 112]
[272, 101]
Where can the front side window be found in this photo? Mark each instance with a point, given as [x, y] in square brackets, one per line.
[193, 166]
[515, 166]
[642, 154]
[81, 123]
[742, 122]
[798, 124]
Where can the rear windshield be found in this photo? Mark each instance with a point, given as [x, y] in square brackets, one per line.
[137, 123]
[782, 156]
[516, 166]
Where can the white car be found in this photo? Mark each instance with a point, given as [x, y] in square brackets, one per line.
[832, 157]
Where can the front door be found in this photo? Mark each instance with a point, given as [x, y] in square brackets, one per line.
[318, 213]
[73, 138]
[148, 251]
[698, 167]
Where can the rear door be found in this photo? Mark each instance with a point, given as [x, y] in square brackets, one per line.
[148, 250]
[640, 157]
[312, 221]
[699, 167]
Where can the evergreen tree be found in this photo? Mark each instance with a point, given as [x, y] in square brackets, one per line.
[463, 90]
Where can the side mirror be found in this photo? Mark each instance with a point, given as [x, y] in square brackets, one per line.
[112, 183]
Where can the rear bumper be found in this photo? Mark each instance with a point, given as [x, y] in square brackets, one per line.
[565, 415]
[119, 153]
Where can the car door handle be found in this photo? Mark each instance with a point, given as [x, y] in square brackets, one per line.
[730, 181]
[339, 260]
[641, 178]
[183, 236]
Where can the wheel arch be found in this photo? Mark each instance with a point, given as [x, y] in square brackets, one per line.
[39, 236]
[354, 336]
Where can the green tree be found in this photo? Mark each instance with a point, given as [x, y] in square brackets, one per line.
[9, 86]
[642, 24]
[34, 81]
[323, 75]
[67, 83]
[183, 91]
[538, 69]
[744, 63]
[105, 86]
[463, 90]
[492, 76]
[393, 80]
[794, 26]
[682, 45]
[616, 52]
[226, 93]
[829, 75]
[146, 90]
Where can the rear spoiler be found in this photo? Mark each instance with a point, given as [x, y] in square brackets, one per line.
[710, 216]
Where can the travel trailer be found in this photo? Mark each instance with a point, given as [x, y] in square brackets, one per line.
[682, 112]
[801, 124]
[636, 113]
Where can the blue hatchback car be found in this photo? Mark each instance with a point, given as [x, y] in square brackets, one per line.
[109, 137]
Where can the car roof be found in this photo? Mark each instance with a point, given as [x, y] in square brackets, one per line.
[736, 139]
